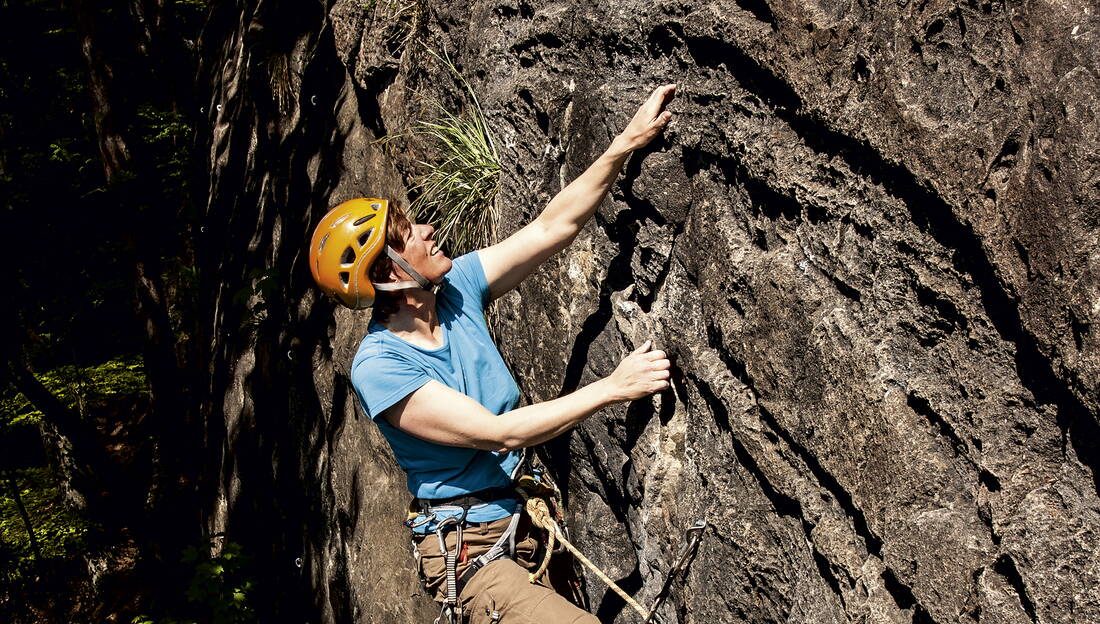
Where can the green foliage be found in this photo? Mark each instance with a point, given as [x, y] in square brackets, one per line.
[458, 194]
[220, 583]
[61, 151]
[167, 136]
[219, 588]
[77, 386]
[59, 531]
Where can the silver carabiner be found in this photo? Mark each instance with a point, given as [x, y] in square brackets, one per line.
[428, 518]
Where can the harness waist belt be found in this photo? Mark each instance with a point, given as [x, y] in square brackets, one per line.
[479, 497]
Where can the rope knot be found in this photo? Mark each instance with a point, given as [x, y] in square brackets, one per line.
[539, 512]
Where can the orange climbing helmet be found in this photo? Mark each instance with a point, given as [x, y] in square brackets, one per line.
[344, 246]
[346, 243]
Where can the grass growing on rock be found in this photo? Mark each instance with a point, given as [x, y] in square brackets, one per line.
[397, 21]
[458, 195]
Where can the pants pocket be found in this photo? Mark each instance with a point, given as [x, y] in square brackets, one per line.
[483, 609]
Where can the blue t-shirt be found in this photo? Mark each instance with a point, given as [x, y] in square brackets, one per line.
[386, 369]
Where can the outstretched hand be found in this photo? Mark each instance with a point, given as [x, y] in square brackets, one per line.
[641, 373]
[648, 121]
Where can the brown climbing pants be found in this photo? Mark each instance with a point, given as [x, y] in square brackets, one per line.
[502, 586]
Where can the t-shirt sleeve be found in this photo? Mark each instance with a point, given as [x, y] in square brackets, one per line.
[468, 276]
[384, 379]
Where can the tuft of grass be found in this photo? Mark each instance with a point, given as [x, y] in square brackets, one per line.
[397, 21]
[458, 195]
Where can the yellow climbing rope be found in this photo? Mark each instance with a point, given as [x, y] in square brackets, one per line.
[538, 506]
[539, 512]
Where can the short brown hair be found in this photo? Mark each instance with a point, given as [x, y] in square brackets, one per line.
[398, 227]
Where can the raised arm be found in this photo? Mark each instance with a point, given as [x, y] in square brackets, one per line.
[508, 262]
[439, 414]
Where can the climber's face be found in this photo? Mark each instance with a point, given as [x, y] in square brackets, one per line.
[423, 255]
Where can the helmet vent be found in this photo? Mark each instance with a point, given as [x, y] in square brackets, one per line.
[364, 237]
[362, 220]
[348, 257]
[324, 240]
[344, 278]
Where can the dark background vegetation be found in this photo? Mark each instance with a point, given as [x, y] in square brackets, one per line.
[96, 122]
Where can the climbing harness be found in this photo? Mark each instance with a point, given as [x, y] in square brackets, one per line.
[424, 511]
[505, 546]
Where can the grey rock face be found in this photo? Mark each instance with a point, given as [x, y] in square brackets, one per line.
[870, 240]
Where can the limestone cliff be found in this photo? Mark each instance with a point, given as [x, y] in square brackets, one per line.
[870, 240]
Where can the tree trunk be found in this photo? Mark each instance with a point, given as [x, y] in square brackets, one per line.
[35, 550]
[83, 463]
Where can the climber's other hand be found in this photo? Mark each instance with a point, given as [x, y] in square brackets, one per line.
[648, 121]
[640, 374]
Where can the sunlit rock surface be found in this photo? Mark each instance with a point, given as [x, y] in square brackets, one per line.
[869, 240]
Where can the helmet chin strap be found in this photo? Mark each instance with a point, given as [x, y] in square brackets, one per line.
[418, 280]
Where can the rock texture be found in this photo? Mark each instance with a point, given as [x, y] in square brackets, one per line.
[870, 240]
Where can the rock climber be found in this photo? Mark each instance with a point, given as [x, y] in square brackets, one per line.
[429, 375]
